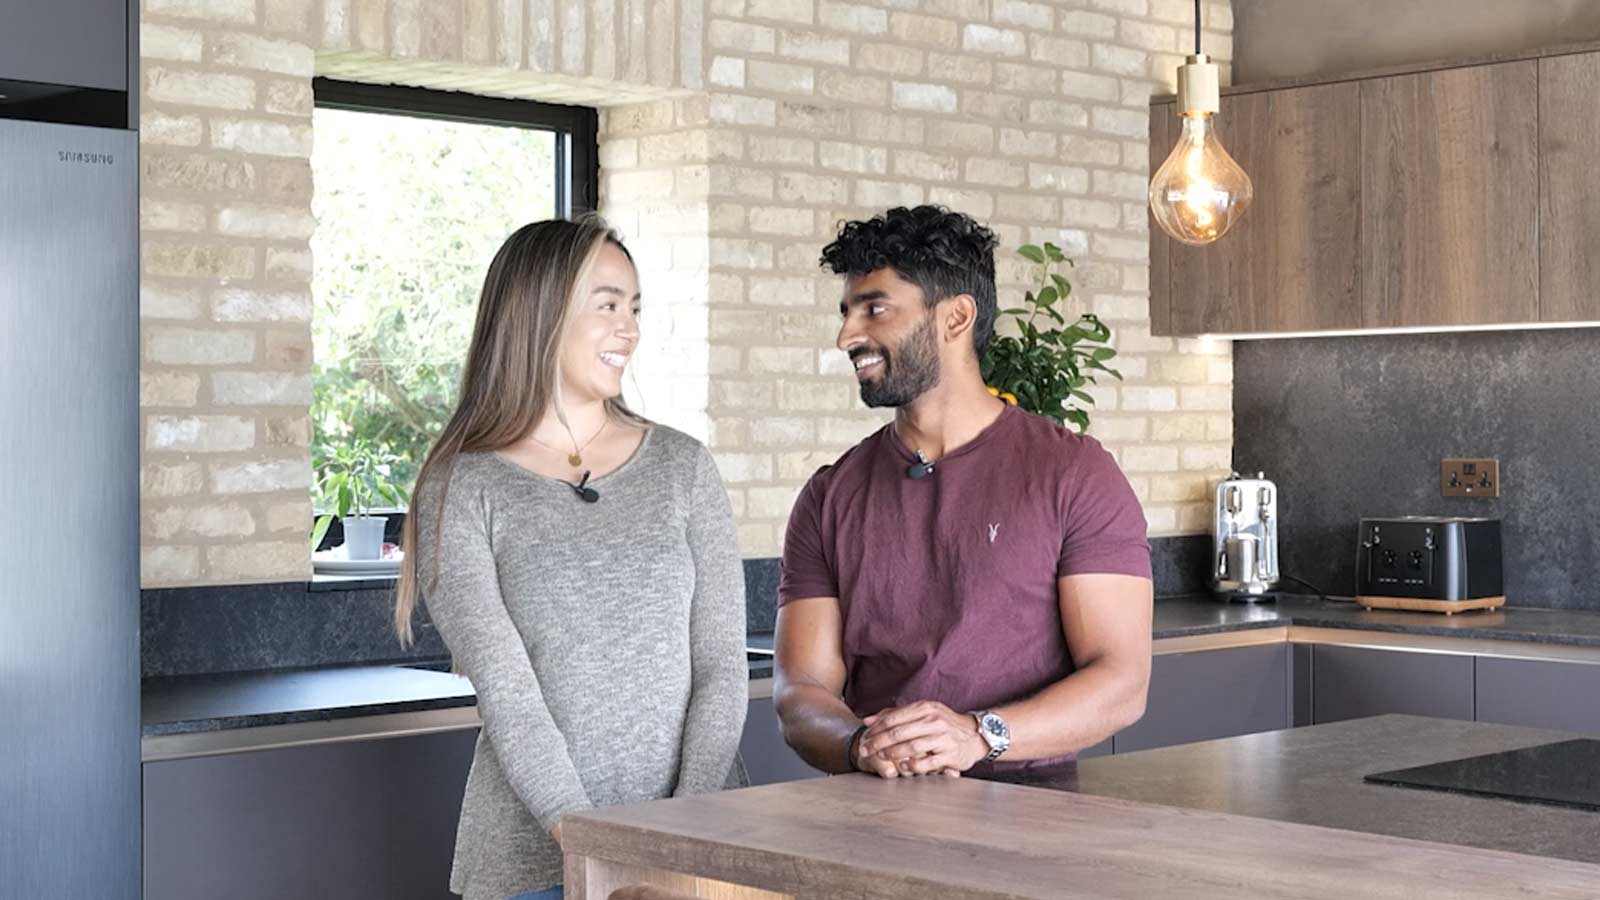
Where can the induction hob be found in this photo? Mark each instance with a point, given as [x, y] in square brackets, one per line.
[1566, 773]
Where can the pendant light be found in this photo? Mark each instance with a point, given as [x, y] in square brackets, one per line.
[1199, 192]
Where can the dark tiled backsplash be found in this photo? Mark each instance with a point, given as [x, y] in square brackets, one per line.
[255, 627]
[1355, 426]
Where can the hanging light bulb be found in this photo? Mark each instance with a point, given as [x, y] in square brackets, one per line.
[1199, 192]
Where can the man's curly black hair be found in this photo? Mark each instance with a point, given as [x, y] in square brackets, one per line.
[942, 252]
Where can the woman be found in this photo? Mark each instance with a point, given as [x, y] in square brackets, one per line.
[579, 562]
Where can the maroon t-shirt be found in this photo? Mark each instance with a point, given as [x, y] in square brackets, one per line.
[947, 584]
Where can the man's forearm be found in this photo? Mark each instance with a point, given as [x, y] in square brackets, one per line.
[1078, 711]
[816, 723]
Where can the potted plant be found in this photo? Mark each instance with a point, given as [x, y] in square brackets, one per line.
[352, 481]
[1046, 365]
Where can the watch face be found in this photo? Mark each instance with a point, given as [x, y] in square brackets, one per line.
[995, 725]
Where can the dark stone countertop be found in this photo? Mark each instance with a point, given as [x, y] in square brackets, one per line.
[188, 704]
[1314, 776]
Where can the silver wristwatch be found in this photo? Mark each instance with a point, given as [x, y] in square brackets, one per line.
[994, 732]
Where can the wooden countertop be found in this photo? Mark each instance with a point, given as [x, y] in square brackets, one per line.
[863, 838]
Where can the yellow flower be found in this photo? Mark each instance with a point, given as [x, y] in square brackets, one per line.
[1009, 398]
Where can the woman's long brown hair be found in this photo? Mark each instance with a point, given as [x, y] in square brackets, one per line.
[512, 373]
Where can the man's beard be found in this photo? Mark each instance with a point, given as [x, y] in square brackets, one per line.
[910, 370]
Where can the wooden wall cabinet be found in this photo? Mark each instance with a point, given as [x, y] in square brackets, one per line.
[1426, 197]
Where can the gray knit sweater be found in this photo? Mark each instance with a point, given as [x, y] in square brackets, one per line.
[605, 642]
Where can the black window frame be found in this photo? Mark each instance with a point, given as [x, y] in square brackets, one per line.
[576, 128]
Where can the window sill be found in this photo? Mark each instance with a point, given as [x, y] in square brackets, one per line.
[320, 582]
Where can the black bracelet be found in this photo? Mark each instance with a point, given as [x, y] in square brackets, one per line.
[850, 748]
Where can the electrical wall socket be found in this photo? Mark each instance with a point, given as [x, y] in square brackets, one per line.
[1469, 477]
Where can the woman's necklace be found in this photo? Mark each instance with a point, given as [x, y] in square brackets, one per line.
[575, 458]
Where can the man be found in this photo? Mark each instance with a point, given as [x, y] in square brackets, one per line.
[968, 589]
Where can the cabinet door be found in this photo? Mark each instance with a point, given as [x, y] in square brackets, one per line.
[1569, 205]
[766, 757]
[1292, 263]
[1539, 694]
[1449, 196]
[366, 820]
[1212, 694]
[1353, 682]
[83, 43]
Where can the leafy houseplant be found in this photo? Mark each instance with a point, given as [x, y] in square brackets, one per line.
[352, 481]
[1046, 365]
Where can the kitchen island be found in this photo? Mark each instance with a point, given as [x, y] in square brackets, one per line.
[1282, 814]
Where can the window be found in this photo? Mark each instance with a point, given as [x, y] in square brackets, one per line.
[414, 192]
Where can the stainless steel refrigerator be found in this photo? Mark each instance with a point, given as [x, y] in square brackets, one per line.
[69, 520]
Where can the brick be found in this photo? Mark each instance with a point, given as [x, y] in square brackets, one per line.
[1059, 52]
[165, 42]
[291, 515]
[850, 87]
[1148, 36]
[336, 25]
[286, 181]
[1030, 207]
[173, 389]
[171, 215]
[781, 77]
[193, 88]
[261, 476]
[736, 110]
[1121, 184]
[1143, 397]
[993, 106]
[850, 17]
[1016, 142]
[1090, 24]
[1058, 114]
[260, 136]
[978, 204]
[962, 68]
[813, 119]
[1025, 79]
[288, 265]
[813, 188]
[1119, 429]
[738, 253]
[885, 194]
[1120, 248]
[812, 47]
[969, 136]
[853, 158]
[259, 560]
[194, 172]
[801, 465]
[726, 71]
[1161, 519]
[802, 11]
[198, 260]
[239, 12]
[987, 39]
[1089, 213]
[780, 220]
[244, 51]
[926, 166]
[1090, 87]
[842, 432]
[260, 389]
[1114, 308]
[637, 118]
[1120, 60]
[771, 502]
[970, 10]
[741, 395]
[251, 305]
[288, 431]
[890, 58]
[1124, 7]
[672, 147]
[742, 468]
[745, 38]
[729, 180]
[996, 172]
[1217, 398]
[156, 127]
[1216, 459]
[916, 29]
[1027, 15]
[1219, 371]
[1149, 459]
[162, 480]
[1089, 151]
[783, 360]
[199, 433]
[276, 222]
[1219, 16]
[783, 431]
[924, 97]
[289, 98]
[168, 565]
[882, 127]
[162, 301]
[783, 150]
[217, 520]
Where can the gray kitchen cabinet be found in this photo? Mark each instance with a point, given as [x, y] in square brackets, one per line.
[1564, 696]
[363, 820]
[766, 757]
[1212, 694]
[83, 43]
[1352, 682]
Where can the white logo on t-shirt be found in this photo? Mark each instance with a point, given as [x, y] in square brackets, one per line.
[994, 529]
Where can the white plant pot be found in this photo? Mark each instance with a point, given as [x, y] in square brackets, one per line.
[363, 536]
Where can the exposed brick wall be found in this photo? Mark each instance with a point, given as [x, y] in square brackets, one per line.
[739, 132]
